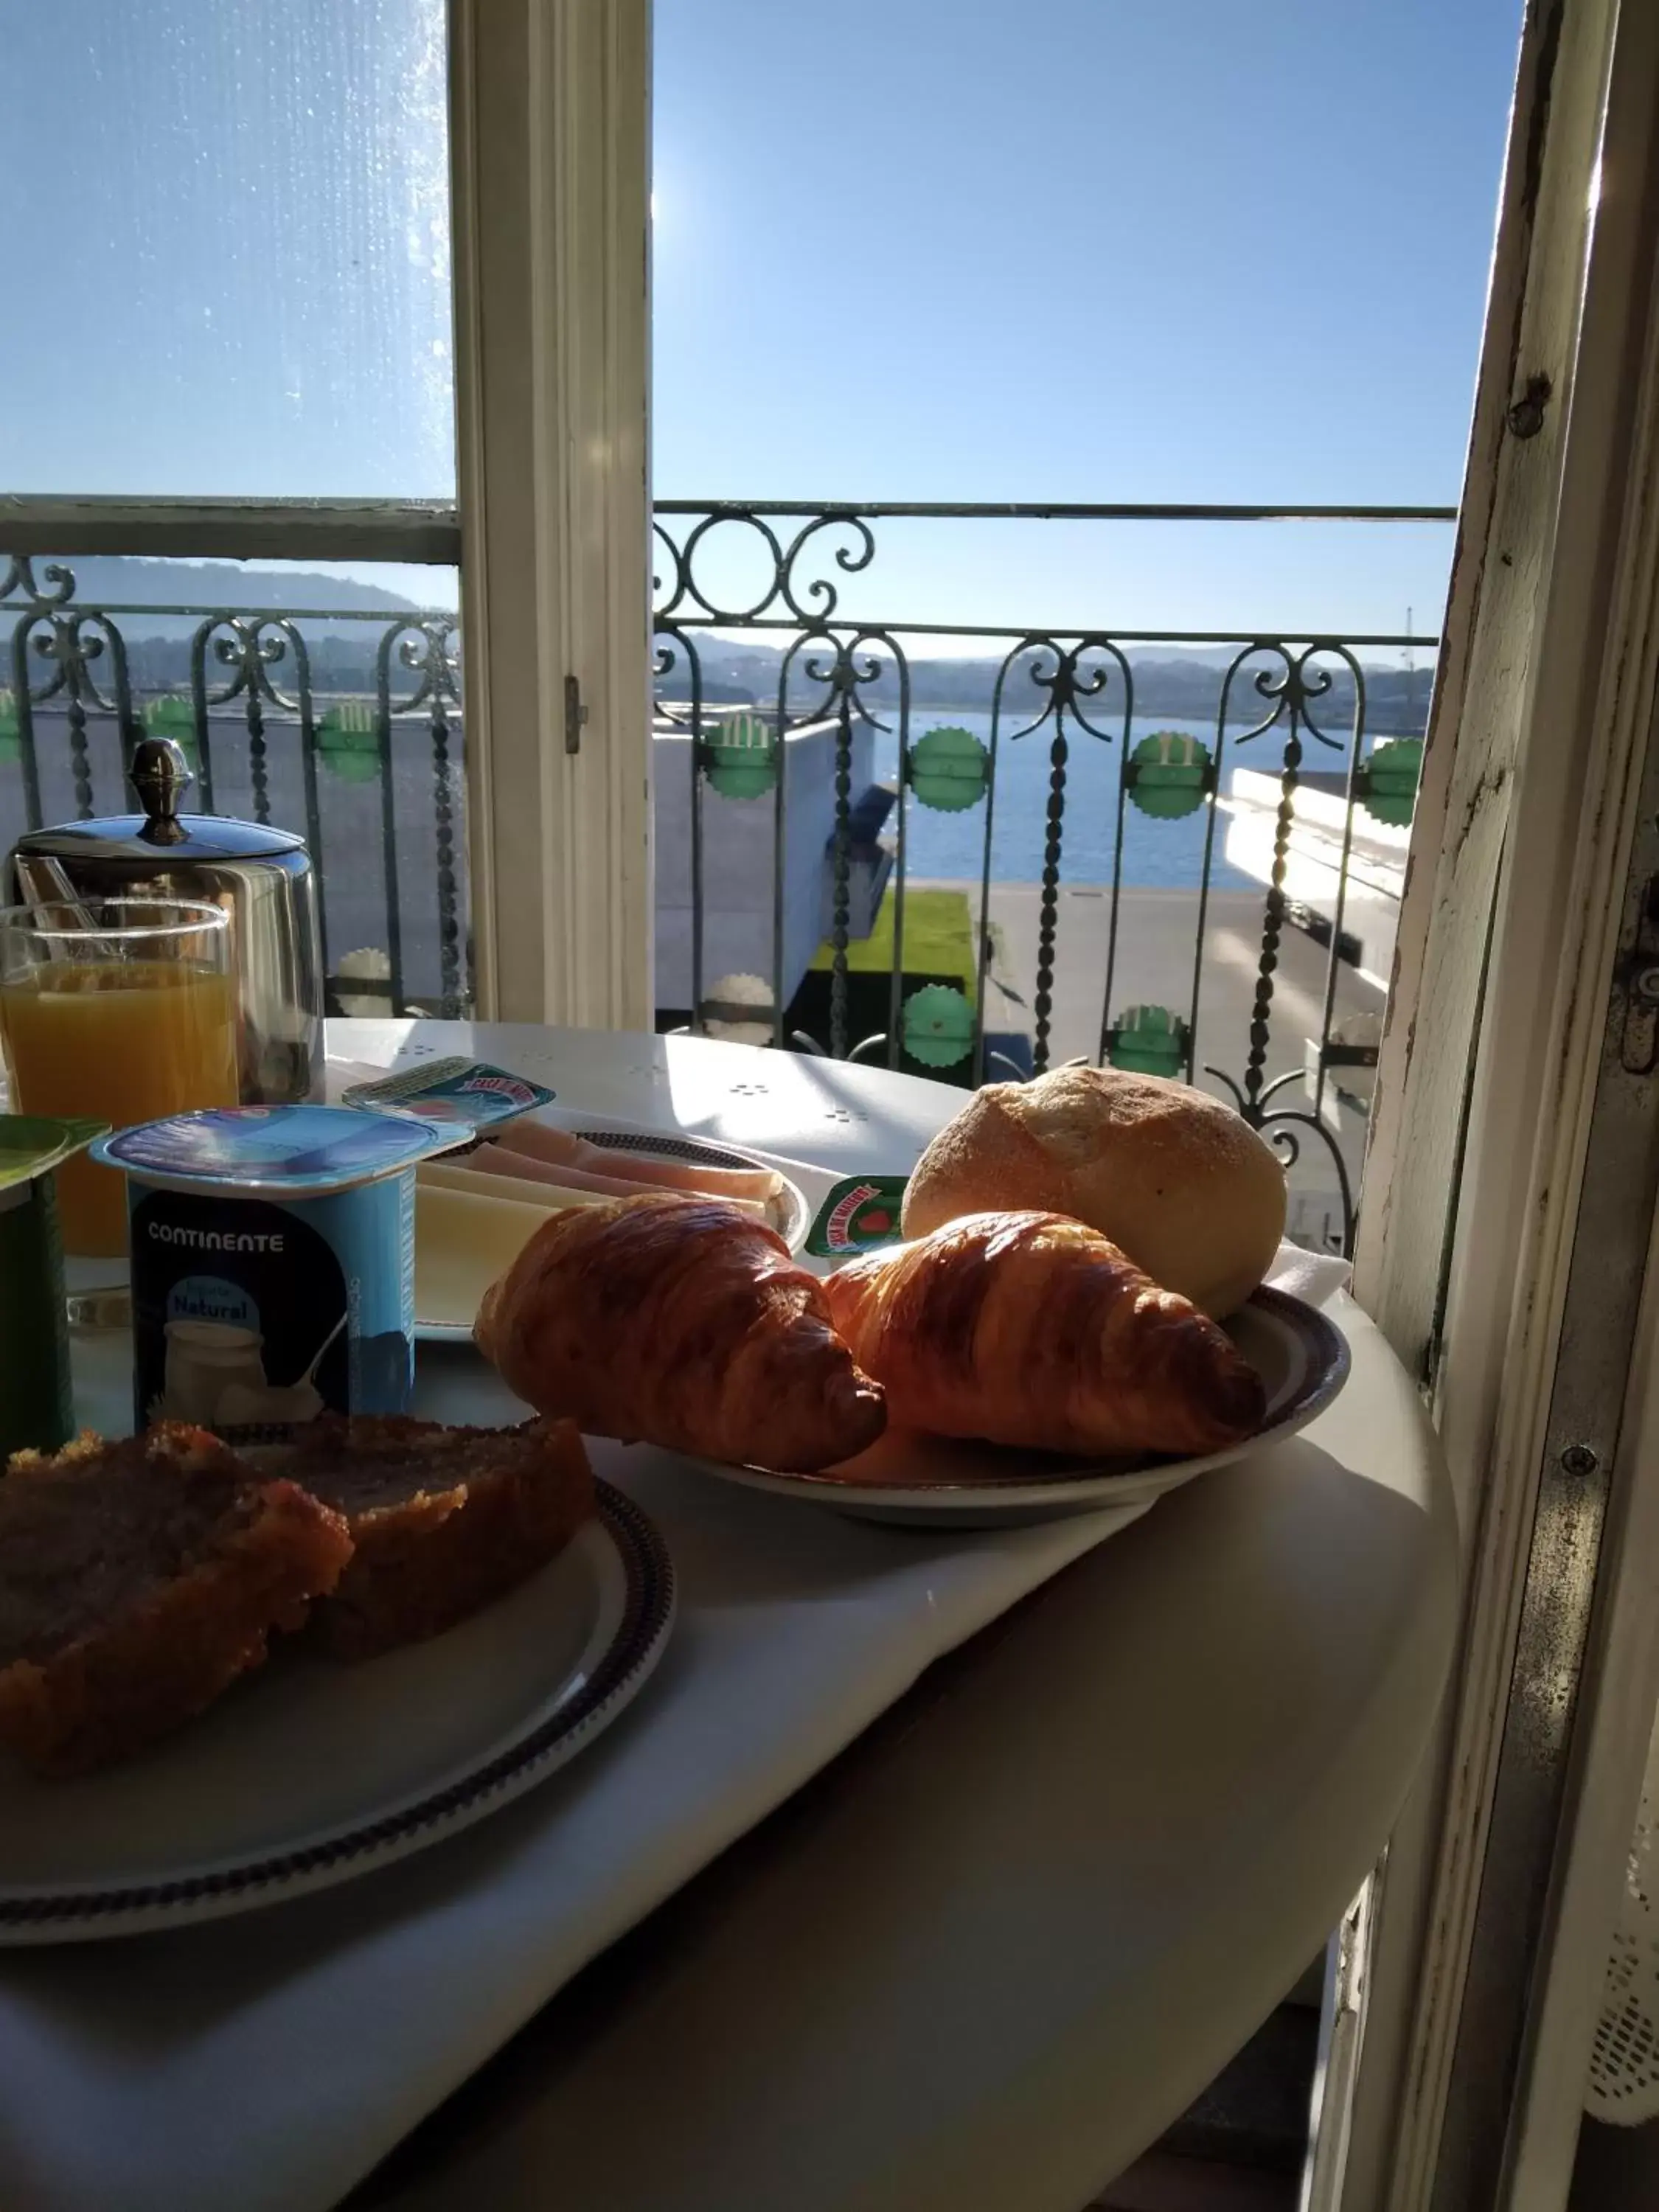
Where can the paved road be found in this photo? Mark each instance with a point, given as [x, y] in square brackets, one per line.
[1154, 967]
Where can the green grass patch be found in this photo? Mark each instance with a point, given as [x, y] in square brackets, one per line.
[939, 940]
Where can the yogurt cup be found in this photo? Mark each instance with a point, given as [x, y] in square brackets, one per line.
[273, 1262]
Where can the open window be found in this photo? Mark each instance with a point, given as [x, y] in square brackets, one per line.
[350, 363]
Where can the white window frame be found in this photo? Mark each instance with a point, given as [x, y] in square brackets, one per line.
[549, 159]
[1491, 1069]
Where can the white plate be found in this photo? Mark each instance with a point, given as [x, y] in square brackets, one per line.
[310, 1773]
[788, 1212]
[1299, 1352]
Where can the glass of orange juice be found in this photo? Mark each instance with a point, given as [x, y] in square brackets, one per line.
[125, 1009]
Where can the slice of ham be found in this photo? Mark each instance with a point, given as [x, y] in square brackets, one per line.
[495, 1159]
[559, 1148]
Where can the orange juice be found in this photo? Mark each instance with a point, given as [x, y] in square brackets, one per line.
[126, 1041]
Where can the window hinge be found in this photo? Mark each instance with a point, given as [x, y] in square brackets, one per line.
[1526, 416]
[574, 715]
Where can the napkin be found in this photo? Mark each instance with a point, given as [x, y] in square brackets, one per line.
[1315, 1276]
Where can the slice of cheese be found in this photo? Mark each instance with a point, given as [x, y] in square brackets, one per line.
[463, 1242]
[511, 1190]
[470, 1227]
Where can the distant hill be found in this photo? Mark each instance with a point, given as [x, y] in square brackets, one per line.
[131, 579]
[103, 579]
[1182, 682]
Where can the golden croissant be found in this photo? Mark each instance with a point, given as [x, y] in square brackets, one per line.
[680, 1321]
[1029, 1328]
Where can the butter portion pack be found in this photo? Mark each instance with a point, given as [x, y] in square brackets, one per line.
[458, 1092]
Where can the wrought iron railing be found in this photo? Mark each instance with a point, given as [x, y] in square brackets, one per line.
[1064, 791]
[842, 670]
[274, 709]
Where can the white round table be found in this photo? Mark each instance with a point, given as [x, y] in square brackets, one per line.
[988, 1957]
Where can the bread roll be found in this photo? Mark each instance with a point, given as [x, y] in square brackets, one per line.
[1176, 1179]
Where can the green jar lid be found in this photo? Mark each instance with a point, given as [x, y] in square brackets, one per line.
[36, 1414]
[33, 1144]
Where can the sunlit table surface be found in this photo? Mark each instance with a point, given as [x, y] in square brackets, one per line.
[989, 1955]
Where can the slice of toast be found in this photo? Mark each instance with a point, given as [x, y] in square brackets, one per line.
[442, 1519]
[137, 1580]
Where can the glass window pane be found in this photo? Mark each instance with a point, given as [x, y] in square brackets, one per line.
[324, 698]
[231, 225]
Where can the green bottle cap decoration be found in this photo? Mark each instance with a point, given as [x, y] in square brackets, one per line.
[170, 716]
[937, 1027]
[1149, 1040]
[348, 744]
[11, 727]
[949, 768]
[741, 756]
[1169, 774]
[1387, 782]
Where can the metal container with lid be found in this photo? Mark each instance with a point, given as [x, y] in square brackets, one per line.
[262, 876]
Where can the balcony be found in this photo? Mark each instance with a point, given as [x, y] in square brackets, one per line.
[1177, 852]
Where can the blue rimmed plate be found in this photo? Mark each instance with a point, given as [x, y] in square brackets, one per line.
[308, 1773]
[1300, 1353]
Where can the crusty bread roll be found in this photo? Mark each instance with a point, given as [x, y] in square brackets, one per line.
[1176, 1179]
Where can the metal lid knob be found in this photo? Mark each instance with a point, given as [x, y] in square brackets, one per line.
[161, 774]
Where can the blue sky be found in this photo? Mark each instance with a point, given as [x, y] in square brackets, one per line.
[231, 221]
[1070, 249]
[1085, 250]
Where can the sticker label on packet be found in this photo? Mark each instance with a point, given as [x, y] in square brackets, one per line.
[469, 1092]
[858, 1214]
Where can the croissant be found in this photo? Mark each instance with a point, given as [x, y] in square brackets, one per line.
[1029, 1328]
[681, 1322]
